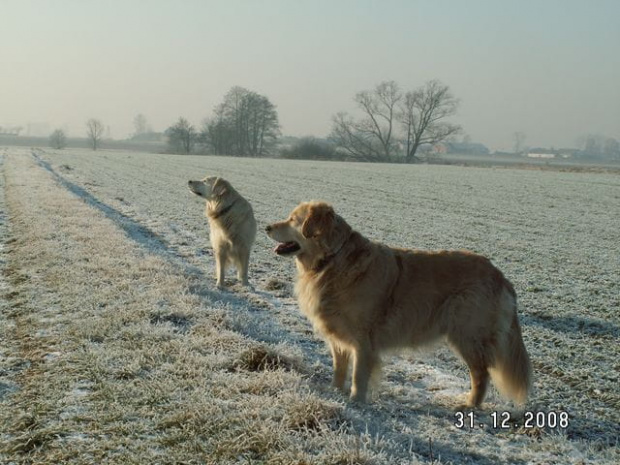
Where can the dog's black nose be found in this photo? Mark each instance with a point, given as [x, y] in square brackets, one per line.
[268, 228]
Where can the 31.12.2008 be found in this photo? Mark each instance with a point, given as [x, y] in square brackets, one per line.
[504, 420]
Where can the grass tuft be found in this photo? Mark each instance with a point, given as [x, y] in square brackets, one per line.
[311, 413]
[262, 358]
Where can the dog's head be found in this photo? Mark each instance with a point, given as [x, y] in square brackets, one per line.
[312, 231]
[210, 188]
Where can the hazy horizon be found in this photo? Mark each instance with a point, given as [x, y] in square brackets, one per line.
[549, 69]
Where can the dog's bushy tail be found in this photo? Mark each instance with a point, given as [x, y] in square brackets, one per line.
[512, 370]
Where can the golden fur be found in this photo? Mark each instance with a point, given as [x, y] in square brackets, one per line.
[232, 225]
[365, 298]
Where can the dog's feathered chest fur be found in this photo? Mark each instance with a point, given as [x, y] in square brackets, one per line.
[231, 219]
[316, 303]
[327, 295]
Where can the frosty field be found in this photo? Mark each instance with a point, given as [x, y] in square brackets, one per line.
[116, 347]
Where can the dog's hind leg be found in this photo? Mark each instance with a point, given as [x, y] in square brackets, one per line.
[479, 377]
[474, 356]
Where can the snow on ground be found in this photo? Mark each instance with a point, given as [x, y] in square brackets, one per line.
[555, 235]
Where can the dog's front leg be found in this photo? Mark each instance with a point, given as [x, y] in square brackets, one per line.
[340, 359]
[220, 265]
[364, 361]
[242, 268]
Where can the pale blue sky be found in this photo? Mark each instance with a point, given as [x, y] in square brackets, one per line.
[548, 68]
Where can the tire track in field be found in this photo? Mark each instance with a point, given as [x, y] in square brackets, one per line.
[137, 232]
[255, 321]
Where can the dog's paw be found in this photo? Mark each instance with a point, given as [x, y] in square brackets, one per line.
[358, 399]
[466, 407]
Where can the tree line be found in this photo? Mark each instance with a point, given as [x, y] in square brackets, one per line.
[390, 124]
[393, 125]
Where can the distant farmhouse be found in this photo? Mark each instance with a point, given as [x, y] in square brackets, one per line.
[540, 153]
[10, 130]
[551, 153]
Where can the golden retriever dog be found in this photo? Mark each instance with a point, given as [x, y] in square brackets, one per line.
[366, 298]
[231, 223]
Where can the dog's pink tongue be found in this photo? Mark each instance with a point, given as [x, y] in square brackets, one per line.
[281, 247]
[286, 247]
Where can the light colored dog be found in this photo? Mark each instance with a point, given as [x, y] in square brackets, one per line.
[232, 225]
[366, 298]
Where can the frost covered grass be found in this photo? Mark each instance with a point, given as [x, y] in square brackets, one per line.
[120, 349]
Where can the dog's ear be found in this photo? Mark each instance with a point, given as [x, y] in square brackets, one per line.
[319, 220]
[220, 187]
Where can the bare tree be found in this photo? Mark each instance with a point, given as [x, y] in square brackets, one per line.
[217, 134]
[140, 125]
[611, 149]
[94, 131]
[58, 139]
[419, 113]
[182, 136]
[348, 138]
[519, 138]
[593, 145]
[233, 110]
[262, 126]
[371, 137]
[245, 124]
[422, 115]
[379, 107]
